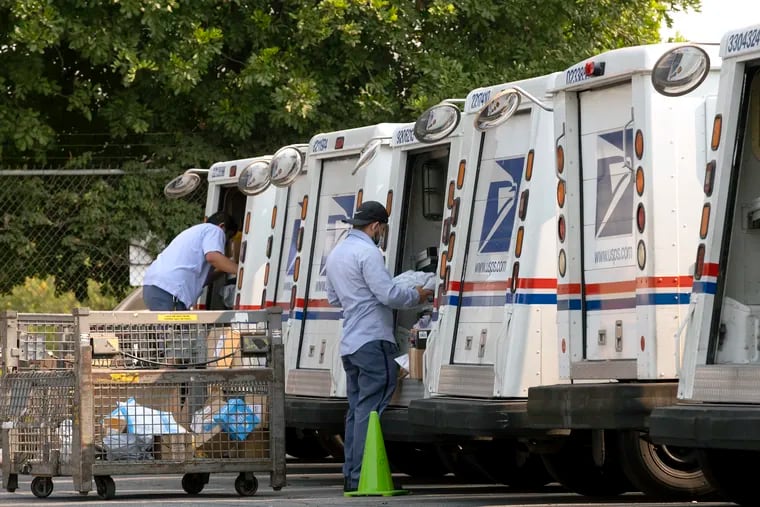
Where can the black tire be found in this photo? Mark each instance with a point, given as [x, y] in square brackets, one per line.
[42, 486]
[193, 484]
[574, 467]
[333, 444]
[517, 466]
[105, 486]
[420, 461]
[729, 472]
[463, 463]
[304, 444]
[246, 484]
[660, 471]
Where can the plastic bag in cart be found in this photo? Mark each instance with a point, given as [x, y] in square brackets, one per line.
[237, 419]
[146, 421]
[123, 446]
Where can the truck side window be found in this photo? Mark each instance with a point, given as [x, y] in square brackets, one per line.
[433, 181]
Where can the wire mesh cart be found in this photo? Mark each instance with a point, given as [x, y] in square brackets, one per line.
[128, 393]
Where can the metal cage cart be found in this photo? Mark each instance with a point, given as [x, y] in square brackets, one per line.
[36, 396]
[165, 393]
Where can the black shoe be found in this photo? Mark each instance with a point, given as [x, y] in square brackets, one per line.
[347, 488]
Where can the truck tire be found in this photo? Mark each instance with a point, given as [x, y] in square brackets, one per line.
[660, 471]
[304, 444]
[731, 473]
[574, 467]
[420, 461]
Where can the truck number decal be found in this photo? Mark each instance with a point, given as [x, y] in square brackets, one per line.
[319, 145]
[743, 41]
[478, 99]
[405, 136]
[576, 75]
[218, 171]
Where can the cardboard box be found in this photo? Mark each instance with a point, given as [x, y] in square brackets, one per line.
[260, 405]
[224, 346]
[415, 363]
[256, 446]
[214, 444]
[174, 447]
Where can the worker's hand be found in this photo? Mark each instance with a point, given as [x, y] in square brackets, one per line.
[426, 295]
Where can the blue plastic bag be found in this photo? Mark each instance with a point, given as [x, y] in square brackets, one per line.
[237, 419]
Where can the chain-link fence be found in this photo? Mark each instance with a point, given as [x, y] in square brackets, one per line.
[89, 233]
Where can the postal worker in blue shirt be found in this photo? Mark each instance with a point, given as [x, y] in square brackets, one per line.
[175, 280]
[359, 282]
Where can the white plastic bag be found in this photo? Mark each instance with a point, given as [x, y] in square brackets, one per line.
[415, 279]
[146, 421]
[65, 433]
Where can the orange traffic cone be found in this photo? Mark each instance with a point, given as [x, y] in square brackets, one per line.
[375, 478]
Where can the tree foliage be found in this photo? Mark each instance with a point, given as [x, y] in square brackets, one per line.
[171, 84]
[222, 79]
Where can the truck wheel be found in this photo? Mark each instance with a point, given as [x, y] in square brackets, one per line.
[574, 467]
[304, 444]
[520, 468]
[728, 471]
[662, 471]
[463, 463]
[420, 461]
[333, 444]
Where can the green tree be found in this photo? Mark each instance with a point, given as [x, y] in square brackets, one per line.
[156, 87]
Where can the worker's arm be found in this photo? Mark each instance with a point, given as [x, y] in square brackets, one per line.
[222, 263]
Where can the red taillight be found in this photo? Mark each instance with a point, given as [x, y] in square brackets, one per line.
[640, 218]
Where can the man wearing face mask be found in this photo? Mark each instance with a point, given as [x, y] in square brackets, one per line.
[359, 282]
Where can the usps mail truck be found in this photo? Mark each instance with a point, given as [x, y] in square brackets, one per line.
[718, 409]
[627, 184]
[496, 305]
[326, 191]
[229, 185]
[422, 176]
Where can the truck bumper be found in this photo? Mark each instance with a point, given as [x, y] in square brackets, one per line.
[707, 426]
[326, 414]
[470, 417]
[329, 415]
[598, 406]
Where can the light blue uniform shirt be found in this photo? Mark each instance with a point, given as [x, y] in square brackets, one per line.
[358, 281]
[181, 269]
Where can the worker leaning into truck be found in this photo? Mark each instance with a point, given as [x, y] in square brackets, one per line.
[175, 280]
[359, 282]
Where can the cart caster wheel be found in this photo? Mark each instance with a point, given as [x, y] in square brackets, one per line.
[12, 485]
[277, 488]
[246, 484]
[105, 486]
[194, 483]
[42, 486]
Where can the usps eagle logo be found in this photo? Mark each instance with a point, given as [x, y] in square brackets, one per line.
[501, 203]
[340, 207]
[614, 185]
